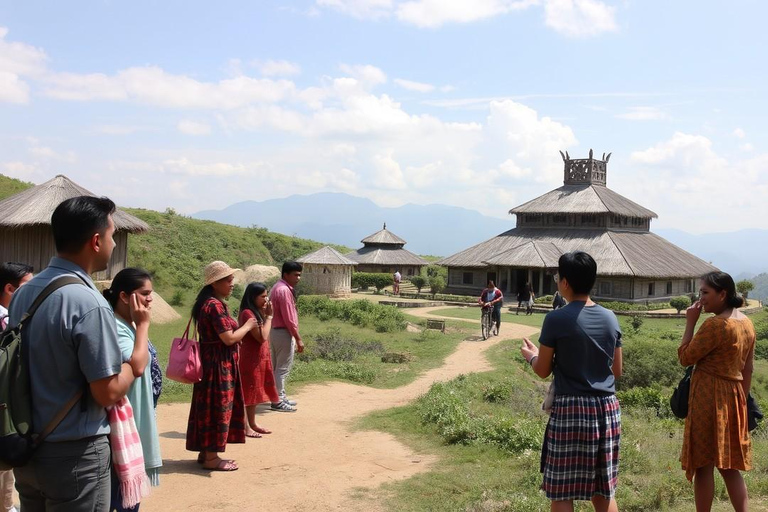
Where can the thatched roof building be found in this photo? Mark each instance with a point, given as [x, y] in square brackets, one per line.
[327, 272]
[633, 263]
[384, 251]
[25, 226]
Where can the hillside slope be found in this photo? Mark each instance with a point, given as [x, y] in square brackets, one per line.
[176, 248]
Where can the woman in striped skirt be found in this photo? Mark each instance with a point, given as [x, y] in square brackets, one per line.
[581, 345]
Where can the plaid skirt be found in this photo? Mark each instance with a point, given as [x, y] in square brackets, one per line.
[580, 455]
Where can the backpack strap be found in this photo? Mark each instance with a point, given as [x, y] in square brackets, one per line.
[51, 426]
[47, 291]
[52, 287]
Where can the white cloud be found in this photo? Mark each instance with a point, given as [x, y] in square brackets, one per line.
[193, 127]
[746, 147]
[279, 68]
[366, 74]
[363, 9]
[154, 86]
[434, 13]
[414, 86]
[187, 167]
[739, 133]
[695, 189]
[18, 60]
[644, 114]
[19, 170]
[580, 18]
[387, 173]
[119, 129]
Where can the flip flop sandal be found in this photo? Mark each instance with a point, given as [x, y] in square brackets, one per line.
[261, 430]
[254, 434]
[223, 465]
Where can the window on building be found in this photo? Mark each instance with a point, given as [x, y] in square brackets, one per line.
[688, 286]
[410, 271]
[468, 278]
[605, 288]
[651, 289]
[669, 287]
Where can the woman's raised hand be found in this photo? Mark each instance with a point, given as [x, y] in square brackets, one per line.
[528, 349]
[269, 310]
[140, 313]
[693, 313]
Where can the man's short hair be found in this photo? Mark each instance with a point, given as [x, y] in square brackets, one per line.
[77, 219]
[579, 269]
[291, 266]
[12, 272]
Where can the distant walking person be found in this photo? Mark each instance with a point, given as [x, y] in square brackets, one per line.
[580, 454]
[72, 342]
[285, 330]
[491, 297]
[12, 275]
[396, 278]
[217, 413]
[558, 301]
[716, 429]
[531, 297]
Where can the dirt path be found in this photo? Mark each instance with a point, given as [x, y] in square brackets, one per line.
[313, 459]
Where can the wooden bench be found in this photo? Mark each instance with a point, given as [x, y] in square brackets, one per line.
[438, 325]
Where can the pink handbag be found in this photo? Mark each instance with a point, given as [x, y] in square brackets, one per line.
[184, 359]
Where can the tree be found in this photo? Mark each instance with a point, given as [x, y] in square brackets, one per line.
[744, 287]
[419, 282]
[680, 303]
[436, 285]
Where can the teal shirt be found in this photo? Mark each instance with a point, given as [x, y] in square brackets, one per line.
[140, 396]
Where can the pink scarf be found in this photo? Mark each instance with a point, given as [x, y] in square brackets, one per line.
[127, 457]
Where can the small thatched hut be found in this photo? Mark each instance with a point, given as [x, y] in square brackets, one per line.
[327, 272]
[384, 252]
[633, 264]
[25, 226]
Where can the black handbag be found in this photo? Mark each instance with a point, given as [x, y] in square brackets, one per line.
[678, 402]
[754, 414]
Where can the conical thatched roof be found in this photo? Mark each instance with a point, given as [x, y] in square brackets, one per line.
[618, 253]
[383, 237]
[587, 199]
[35, 206]
[386, 256]
[326, 256]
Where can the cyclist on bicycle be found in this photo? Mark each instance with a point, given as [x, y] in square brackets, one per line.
[491, 297]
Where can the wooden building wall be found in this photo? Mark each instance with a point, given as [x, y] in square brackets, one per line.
[334, 280]
[34, 246]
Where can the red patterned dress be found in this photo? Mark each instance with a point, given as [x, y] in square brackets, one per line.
[256, 367]
[217, 414]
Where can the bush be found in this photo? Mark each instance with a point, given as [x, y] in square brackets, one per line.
[237, 292]
[636, 322]
[361, 313]
[544, 299]
[365, 280]
[646, 397]
[629, 306]
[332, 347]
[435, 271]
[419, 282]
[177, 299]
[436, 285]
[649, 363]
[680, 303]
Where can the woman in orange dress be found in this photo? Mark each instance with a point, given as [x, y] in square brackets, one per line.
[716, 432]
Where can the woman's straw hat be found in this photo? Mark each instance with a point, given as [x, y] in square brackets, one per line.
[217, 270]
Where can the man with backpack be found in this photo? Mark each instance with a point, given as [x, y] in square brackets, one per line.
[71, 348]
[12, 275]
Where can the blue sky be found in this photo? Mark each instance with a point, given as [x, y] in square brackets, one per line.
[196, 105]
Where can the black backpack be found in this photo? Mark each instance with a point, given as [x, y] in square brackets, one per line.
[17, 440]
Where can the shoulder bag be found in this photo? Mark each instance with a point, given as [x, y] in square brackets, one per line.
[184, 359]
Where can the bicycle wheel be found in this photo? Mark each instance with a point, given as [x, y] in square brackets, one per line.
[485, 324]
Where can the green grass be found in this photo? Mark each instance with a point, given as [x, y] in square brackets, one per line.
[473, 313]
[426, 350]
[10, 186]
[478, 472]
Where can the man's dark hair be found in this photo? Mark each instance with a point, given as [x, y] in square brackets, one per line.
[77, 219]
[291, 266]
[579, 269]
[12, 272]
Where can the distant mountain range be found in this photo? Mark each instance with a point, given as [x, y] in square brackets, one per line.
[442, 230]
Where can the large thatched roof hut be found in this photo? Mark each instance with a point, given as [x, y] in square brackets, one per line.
[25, 226]
[384, 251]
[327, 272]
[584, 214]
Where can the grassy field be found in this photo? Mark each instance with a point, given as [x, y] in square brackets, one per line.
[357, 357]
[488, 438]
